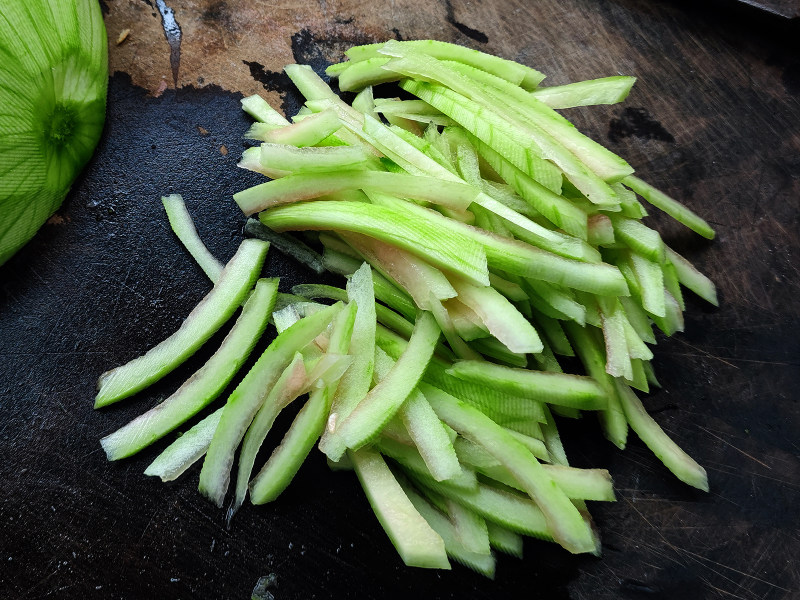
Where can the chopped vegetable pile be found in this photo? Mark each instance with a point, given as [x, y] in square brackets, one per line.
[483, 239]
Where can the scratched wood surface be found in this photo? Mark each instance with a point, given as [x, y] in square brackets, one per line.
[714, 119]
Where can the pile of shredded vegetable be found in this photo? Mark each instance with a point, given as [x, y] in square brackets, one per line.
[483, 238]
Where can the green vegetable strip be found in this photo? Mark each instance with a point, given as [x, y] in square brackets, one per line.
[429, 436]
[419, 279]
[675, 459]
[552, 439]
[386, 316]
[185, 451]
[387, 106]
[501, 318]
[210, 314]
[286, 389]
[443, 249]
[491, 129]
[483, 563]
[504, 540]
[385, 399]
[304, 186]
[288, 457]
[248, 397]
[307, 426]
[357, 380]
[202, 387]
[519, 258]
[307, 132]
[589, 350]
[445, 323]
[410, 458]
[607, 90]
[559, 299]
[651, 283]
[510, 509]
[673, 208]
[580, 484]
[531, 110]
[507, 69]
[491, 401]
[415, 541]
[314, 159]
[259, 109]
[539, 131]
[692, 278]
[184, 228]
[557, 209]
[563, 520]
[672, 284]
[470, 528]
[359, 75]
[554, 334]
[601, 230]
[639, 238]
[553, 388]
[637, 317]
[618, 360]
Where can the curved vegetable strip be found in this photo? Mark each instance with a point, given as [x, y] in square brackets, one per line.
[309, 424]
[510, 509]
[500, 317]
[248, 397]
[385, 399]
[504, 540]
[409, 457]
[693, 279]
[229, 292]
[202, 387]
[563, 519]
[422, 238]
[357, 380]
[313, 159]
[606, 90]
[509, 70]
[554, 388]
[412, 274]
[673, 208]
[483, 563]
[416, 543]
[260, 110]
[184, 228]
[426, 430]
[308, 132]
[288, 387]
[590, 351]
[676, 460]
[305, 186]
[185, 451]
[287, 458]
[519, 258]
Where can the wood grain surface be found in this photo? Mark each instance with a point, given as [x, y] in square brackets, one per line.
[714, 120]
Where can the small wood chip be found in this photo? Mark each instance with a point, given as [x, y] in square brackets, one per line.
[223, 150]
[202, 130]
[123, 35]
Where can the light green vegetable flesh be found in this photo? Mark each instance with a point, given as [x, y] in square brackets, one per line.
[213, 311]
[54, 74]
[479, 213]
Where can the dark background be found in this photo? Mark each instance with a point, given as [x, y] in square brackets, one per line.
[713, 120]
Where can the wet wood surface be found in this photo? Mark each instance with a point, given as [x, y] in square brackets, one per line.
[714, 120]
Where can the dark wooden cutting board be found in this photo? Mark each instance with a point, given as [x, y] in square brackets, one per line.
[714, 119]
